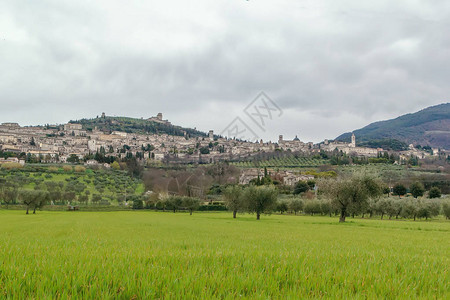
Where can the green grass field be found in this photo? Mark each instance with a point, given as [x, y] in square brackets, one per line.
[148, 255]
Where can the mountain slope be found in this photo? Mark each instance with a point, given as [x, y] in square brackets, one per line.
[430, 126]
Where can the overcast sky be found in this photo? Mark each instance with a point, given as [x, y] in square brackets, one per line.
[331, 66]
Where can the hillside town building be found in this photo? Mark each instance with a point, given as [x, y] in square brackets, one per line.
[351, 148]
[58, 143]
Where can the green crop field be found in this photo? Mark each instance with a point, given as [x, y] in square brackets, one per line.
[148, 255]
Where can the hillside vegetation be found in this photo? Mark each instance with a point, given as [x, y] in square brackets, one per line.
[133, 125]
[69, 184]
[430, 126]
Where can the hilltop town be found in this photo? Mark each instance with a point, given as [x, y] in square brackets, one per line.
[75, 142]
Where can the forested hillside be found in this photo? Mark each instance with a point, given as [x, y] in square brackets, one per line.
[430, 126]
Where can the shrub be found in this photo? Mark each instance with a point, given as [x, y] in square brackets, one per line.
[80, 169]
[115, 166]
[53, 169]
[67, 168]
[212, 208]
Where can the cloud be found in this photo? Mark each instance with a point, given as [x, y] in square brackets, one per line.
[331, 66]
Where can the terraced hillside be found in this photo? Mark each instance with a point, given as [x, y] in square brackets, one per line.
[286, 162]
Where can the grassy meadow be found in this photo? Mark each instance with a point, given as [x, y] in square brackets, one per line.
[150, 255]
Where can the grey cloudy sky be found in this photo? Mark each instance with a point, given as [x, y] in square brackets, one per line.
[331, 66]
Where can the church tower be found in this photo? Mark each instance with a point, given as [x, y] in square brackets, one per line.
[353, 144]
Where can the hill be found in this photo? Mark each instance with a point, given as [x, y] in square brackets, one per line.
[430, 126]
[132, 125]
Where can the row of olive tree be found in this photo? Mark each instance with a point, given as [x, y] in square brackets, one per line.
[32, 199]
[409, 208]
[346, 196]
[361, 194]
[252, 199]
[173, 203]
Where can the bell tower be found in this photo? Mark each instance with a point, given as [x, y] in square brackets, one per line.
[353, 144]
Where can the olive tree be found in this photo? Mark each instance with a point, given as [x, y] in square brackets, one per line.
[446, 209]
[282, 206]
[260, 199]
[394, 208]
[41, 200]
[429, 208]
[312, 207]
[382, 207]
[34, 199]
[9, 194]
[296, 205]
[27, 199]
[232, 196]
[69, 196]
[326, 207]
[174, 203]
[350, 193]
[410, 208]
[191, 204]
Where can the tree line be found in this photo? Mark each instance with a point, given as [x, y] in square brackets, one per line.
[344, 196]
[252, 199]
